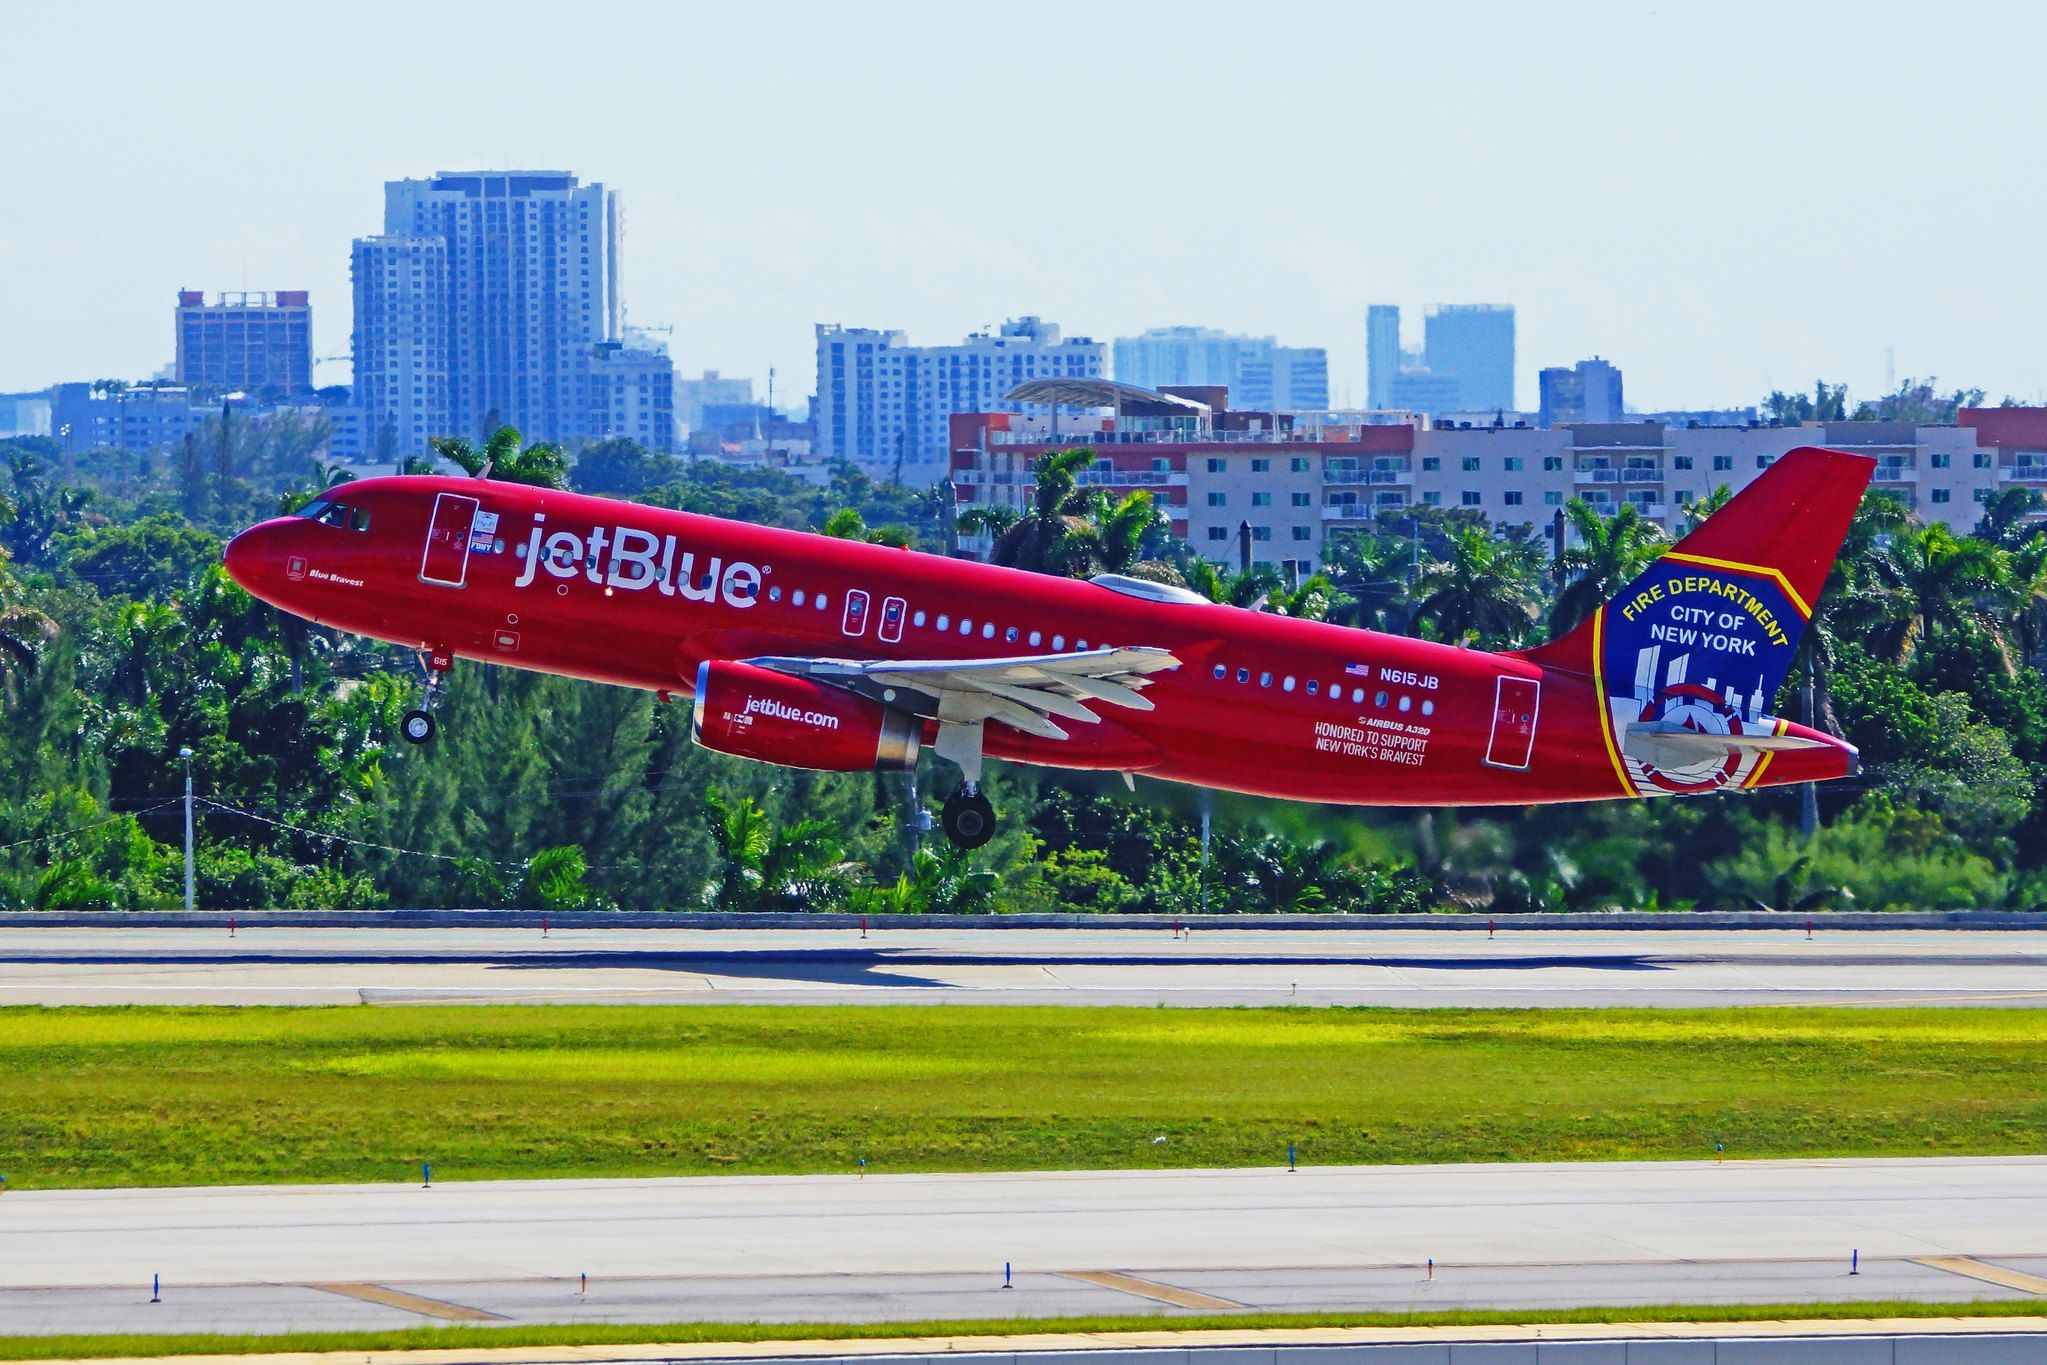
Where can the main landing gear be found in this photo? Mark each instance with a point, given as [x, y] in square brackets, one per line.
[969, 817]
[418, 727]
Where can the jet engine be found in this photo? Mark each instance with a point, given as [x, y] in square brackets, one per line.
[773, 717]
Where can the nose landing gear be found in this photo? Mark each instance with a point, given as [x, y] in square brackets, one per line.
[418, 726]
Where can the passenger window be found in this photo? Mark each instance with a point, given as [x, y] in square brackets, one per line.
[823, 601]
[1313, 687]
[1243, 675]
[1379, 699]
[917, 619]
[1082, 645]
[774, 594]
[1010, 635]
[796, 598]
[1058, 644]
[1035, 638]
[1265, 680]
[1221, 671]
[944, 622]
[988, 631]
[1406, 702]
[1428, 708]
[1286, 684]
[1357, 694]
[966, 626]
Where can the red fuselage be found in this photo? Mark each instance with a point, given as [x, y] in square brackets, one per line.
[640, 596]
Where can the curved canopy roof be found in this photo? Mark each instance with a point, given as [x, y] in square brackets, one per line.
[1103, 393]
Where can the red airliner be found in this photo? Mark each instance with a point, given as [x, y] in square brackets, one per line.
[829, 654]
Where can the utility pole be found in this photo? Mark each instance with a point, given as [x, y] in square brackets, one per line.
[186, 755]
[1243, 547]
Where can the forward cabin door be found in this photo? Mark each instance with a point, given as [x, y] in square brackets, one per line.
[446, 561]
[1515, 703]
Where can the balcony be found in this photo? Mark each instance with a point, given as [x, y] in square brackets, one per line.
[2022, 473]
[1356, 474]
[1896, 471]
[1087, 478]
[1597, 474]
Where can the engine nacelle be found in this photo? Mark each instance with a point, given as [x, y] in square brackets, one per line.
[773, 717]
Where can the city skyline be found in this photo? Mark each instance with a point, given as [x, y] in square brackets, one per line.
[1711, 256]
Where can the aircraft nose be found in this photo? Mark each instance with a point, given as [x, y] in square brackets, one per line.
[251, 559]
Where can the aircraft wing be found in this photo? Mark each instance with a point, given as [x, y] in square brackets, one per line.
[1031, 693]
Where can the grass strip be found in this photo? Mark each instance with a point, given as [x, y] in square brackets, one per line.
[107, 1347]
[165, 1096]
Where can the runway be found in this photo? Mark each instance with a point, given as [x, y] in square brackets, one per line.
[919, 1248]
[1213, 967]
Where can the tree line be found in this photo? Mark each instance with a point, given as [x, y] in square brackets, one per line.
[122, 642]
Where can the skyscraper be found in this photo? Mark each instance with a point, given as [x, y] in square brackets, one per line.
[883, 402]
[246, 341]
[531, 288]
[401, 343]
[1260, 373]
[1382, 353]
[1474, 342]
[1589, 391]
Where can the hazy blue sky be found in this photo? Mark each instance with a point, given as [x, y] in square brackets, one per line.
[1719, 197]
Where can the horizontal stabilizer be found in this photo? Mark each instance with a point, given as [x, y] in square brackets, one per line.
[1678, 746]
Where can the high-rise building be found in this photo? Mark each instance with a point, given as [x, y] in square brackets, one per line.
[1474, 342]
[531, 288]
[401, 344]
[1382, 353]
[710, 389]
[634, 392]
[883, 403]
[1258, 371]
[1589, 391]
[246, 341]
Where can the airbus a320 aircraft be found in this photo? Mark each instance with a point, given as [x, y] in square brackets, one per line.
[828, 654]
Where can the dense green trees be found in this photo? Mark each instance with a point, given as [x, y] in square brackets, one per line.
[121, 641]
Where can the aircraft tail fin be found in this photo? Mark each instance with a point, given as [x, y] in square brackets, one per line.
[1717, 617]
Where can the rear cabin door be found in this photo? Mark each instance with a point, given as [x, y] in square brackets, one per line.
[447, 541]
[1515, 703]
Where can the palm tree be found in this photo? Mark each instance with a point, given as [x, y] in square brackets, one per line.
[848, 524]
[2008, 517]
[1611, 553]
[1114, 538]
[797, 866]
[1250, 589]
[543, 464]
[1861, 578]
[1058, 512]
[1485, 590]
[1698, 509]
[24, 634]
[1932, 575]
[1373, 574]
[2026, 596]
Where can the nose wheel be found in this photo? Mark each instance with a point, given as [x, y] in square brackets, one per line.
[419, 726]
[968, 818]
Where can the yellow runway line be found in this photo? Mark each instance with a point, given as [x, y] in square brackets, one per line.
[1984, 1271]
[1149, 1289]
[411, 1303]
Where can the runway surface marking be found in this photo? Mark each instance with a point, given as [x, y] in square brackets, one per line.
[1984, 1271]
[411, 1303]
[1149, 1289]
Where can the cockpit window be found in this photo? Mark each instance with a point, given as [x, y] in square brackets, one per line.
[335, 515]
[359, 519]
[312, 509]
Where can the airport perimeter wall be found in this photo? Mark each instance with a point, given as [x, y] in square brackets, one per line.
[1818, 921]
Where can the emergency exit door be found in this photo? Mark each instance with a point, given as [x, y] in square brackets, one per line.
[1515, 702]
[446, 561]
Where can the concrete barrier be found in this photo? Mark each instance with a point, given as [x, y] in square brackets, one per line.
[1822, 922]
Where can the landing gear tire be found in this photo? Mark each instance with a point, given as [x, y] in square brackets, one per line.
[968, 819]
[417, 727]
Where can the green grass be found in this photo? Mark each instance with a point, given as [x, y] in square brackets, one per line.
[110, 1346]
[203, 1096]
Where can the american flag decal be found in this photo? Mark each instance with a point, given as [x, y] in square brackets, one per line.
[1358, 670]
